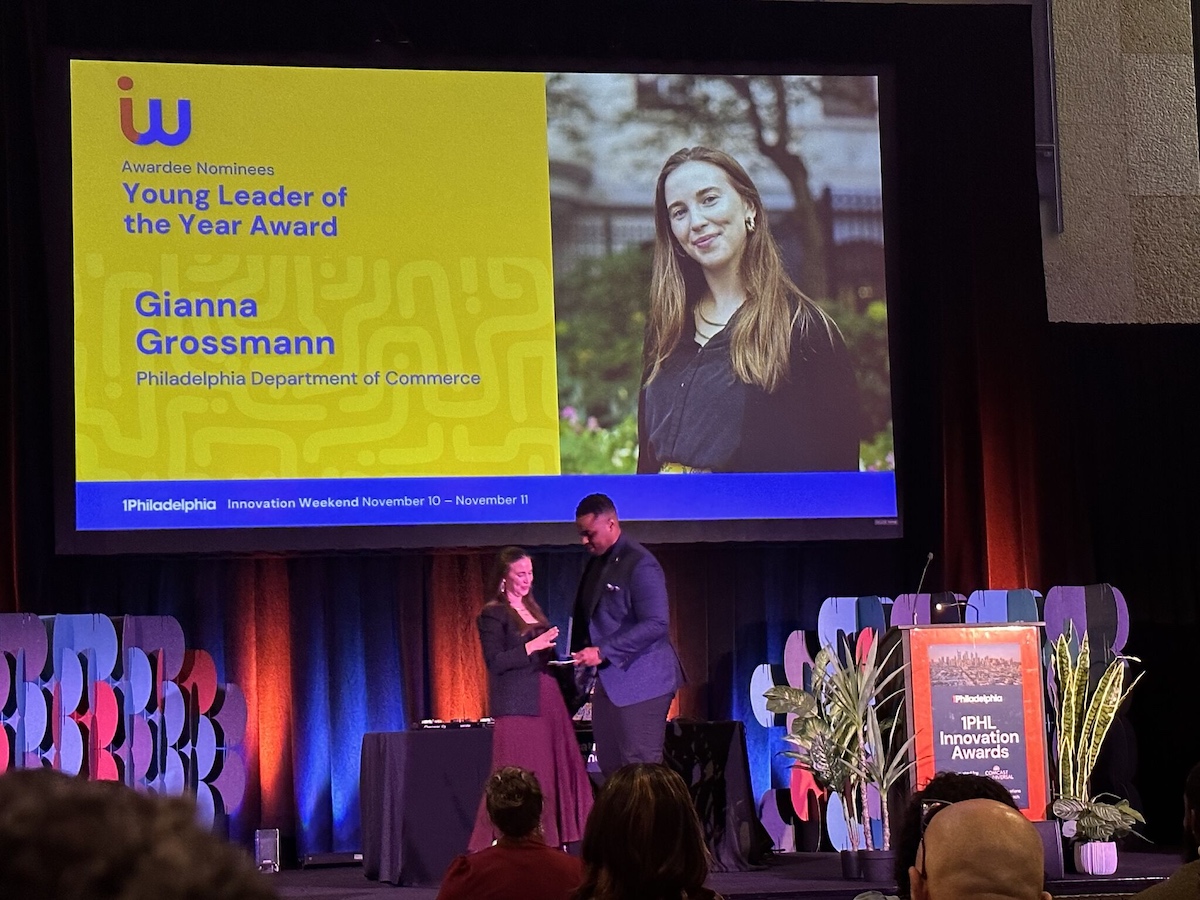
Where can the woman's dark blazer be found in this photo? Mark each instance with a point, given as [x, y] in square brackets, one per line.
[512, 673]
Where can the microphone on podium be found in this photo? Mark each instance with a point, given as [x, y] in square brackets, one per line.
[917, 595]
[962, 605]
[928, 560]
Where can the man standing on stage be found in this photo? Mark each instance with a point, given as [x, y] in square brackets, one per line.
[621, 628]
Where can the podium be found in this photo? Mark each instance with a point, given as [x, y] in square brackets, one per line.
[975, 704]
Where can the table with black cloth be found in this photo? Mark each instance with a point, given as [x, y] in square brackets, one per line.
[418, 794]
[711, 757]
[419, 791]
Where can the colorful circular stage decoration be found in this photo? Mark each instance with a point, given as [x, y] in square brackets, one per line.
[230, 785]
[105, 713]
[27, 633]
[139, 750]
[138, 681]
[199, 674]
[174, 777]
[34, 714]
[1006, 606]
[836, 827]
[123, 699]
[6, 682]
[68, 748]
[174, 714]
[797, 661]
[161, 636]
[776, 815]
[911, 609]
[762, 679]
[1099, 610]
[70, 681]
[231, 715]
[205, 748]
[802, 788]
[837, 618]
[92, 635]
[205, 804]
[104, 767]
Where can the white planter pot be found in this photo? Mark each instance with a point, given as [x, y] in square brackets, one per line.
[1096, 858]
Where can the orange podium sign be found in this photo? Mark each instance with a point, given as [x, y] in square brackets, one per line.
[976, 705]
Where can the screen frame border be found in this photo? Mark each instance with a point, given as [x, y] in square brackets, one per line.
[57, 202]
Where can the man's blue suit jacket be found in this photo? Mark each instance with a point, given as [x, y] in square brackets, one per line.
[628, 618]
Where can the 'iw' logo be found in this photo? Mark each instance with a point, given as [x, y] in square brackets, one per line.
[154, 132]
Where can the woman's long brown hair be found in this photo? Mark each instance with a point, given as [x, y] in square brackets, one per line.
[494, 594]
[643, 839]
[760, 343]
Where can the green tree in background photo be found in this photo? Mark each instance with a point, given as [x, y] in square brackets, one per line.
[601, 320]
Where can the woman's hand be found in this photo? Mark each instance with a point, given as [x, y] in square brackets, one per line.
[543, 641]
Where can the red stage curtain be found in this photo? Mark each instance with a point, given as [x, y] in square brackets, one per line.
[458, 681]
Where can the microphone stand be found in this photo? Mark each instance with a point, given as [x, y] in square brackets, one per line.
[920, 582]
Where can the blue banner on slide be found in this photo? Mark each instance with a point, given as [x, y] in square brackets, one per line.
[126, 505]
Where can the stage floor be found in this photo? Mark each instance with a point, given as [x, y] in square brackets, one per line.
[809, 875]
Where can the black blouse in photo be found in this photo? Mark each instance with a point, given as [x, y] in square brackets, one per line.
[698, 414]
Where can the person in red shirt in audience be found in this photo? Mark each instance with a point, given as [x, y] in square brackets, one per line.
[519, 866]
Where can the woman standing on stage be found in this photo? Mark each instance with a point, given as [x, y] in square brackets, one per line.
[744, 373]
[533, 729]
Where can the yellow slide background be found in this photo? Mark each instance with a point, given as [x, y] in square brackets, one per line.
[441, 264]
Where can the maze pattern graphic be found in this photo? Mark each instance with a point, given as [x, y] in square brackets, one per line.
[121, 699]
[492, 317]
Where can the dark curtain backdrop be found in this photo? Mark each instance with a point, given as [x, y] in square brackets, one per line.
[1029, 454]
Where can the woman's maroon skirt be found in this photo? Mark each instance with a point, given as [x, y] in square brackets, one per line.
[546, 745]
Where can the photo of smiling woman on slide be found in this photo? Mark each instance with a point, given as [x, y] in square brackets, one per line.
[743, 372]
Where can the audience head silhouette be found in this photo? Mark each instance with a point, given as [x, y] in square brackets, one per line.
[1191, 815]
[979, 849]
[944, 788]
[514, 802]
[62, 836]
[643, 839]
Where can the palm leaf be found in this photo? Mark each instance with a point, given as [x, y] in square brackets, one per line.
[805, 730]
[783, 698]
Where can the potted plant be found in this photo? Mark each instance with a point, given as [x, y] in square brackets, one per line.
[884, 762]
[1083, 716]
[825, 741]
[839, 737]
[1095, 825]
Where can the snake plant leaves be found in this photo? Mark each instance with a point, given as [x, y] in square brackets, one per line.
[1101, 711]
[1065, 682]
